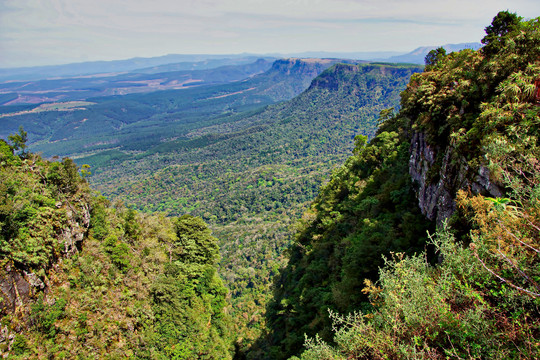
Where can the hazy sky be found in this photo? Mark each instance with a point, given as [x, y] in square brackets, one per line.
[41, 32]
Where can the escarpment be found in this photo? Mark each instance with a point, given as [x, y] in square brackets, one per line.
[44, 217]
[438, 177]
[20, 282]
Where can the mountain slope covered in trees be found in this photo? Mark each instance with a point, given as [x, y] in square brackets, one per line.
[252, 179]
[464, 147]
[83, 278]
[133, 124]
[424, 244]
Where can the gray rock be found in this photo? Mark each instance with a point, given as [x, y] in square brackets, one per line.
[437, 188]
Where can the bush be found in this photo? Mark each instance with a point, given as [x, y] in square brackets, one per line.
[44, 316]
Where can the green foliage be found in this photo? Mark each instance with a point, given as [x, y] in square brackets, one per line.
[495, 38]
[367, 209]
[19, 345]
[99, 226]
[187, 299]
[194, 244]
[19, 140]
[433, 58]
[6, 152]
[131, 226]
[85, 170]
[425, 312]
[115, 294]
[482, 298]
[64, 175]
[189, 296]
[44, 316]
[118, 252]
[38, 198]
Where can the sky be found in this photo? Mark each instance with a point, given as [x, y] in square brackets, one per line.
[49, 32]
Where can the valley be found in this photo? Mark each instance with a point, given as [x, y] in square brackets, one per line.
[277, 208]
[249, 171]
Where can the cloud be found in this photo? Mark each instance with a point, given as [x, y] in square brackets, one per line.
[59, 31]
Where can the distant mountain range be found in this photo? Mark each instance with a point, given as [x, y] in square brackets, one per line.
[161, 77]
[137, 120]
[417, 55]
[145, 65]
[176, 62]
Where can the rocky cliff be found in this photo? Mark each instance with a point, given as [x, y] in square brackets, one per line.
[438, 178]
[44, 217]
[20, 283]
[467, 112]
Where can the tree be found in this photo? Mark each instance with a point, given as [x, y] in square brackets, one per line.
[501, 25]
[6, 151]
[434, 56]
[195, 243]
[19, 141]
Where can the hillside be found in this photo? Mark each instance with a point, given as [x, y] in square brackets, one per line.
[252, 179]
[138, 122]
[320, 123]
[417, 194]
[250, 174]
[99, 85]
[462, 152]
[83, 278]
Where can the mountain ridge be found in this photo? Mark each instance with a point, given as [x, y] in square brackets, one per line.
[162, 114]
[418, 55]
[458, 162]
[190, 62]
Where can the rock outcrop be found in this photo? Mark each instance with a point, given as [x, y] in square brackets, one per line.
[438, 177]
[18, 285]
[78, 221]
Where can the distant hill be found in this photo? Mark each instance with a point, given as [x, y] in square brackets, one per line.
[180, 62]
[183, 62]
[417, 55]
[356, 55]
[84, 87]
[203, 65]
[138, 122]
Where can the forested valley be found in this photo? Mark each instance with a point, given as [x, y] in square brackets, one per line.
[319, 209]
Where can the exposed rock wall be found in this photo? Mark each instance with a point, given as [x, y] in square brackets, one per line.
[19, 285]
[438, 177]
[78, 223]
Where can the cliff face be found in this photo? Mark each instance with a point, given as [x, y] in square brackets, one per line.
[19, 283]
[309, 68]
[345, 75]
[463, 113]
[332, 78]
[78, 221]
[290, 77]
[437, 181]
[44, 217]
